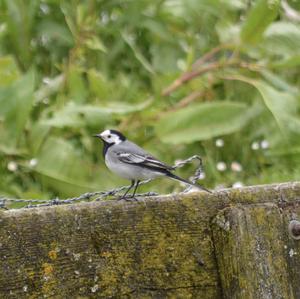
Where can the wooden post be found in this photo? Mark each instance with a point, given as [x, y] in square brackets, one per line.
[249, 242]
[256, 255]
[154, 248]
[232, 244]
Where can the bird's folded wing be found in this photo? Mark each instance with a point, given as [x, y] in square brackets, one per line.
[146, 161]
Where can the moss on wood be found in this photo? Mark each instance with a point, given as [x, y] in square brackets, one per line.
[158, 247]
[256, 256]
[108, 250]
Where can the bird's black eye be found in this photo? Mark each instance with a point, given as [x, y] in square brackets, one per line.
[108, 136]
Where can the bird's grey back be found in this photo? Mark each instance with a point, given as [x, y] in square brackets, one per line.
[130, 171]
[128, 147]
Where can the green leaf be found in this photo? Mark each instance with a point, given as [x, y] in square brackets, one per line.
[16, 103]
[63, 168]
[259, 18]
[278, 82]
[283, 105]
[36, 136]
[125, 108]
[9, 71]
[159, 30]
[77, 116]
[282, 39]
[95, 43]
[165, 57]
[20, 20]
[78, 91]
[56, 32]
[99, 85]
[227, 31]
[204, 121]
[138, 54]
[293, 62]
[51, 87]
[67, 10]
[285, 151]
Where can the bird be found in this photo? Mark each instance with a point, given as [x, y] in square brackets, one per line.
[129, 161]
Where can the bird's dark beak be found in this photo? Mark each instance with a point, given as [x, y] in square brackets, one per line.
[97, 135]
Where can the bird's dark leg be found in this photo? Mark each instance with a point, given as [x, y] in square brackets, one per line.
[135, 188]
[130, 187]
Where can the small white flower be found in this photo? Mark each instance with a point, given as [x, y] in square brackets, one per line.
[12, 166]
[181, 64]
[46, 80]
[236, 166]
[219, 142]
[45, 39]
[237, 185]
[264, 144]
[104, 18]
[202, 176]
[255, 145]
[33, 162]
[45, 8]
[221, 166]
[46, 101]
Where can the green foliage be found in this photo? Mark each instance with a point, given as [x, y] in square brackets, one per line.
[183, 125]
[178, 77]
[260, 17]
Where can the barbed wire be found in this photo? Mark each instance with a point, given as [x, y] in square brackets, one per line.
[101, 195]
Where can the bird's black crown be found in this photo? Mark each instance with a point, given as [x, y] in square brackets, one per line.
[121, 136]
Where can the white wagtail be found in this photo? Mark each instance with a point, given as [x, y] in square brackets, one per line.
[131, 162]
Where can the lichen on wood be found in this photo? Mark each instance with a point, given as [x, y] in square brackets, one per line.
[193, 245]
[256, 256]
[155, 247]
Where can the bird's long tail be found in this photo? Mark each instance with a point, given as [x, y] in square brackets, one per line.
[175, 177]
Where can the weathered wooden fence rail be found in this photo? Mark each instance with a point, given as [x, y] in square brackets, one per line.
[232, 244]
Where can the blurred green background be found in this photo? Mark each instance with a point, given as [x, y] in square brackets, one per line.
[179, 77]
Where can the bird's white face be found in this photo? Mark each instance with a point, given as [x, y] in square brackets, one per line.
[110, 137]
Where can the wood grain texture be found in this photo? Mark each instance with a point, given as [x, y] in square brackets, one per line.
[156, 248]
[160, 247]
[291, 211]
[256, 256]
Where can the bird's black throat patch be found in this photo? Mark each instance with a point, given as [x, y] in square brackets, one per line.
[106, 146]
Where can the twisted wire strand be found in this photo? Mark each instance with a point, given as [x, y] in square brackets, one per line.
[101, 195]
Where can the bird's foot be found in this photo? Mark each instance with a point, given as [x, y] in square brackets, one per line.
[131, 198]
[128, 198]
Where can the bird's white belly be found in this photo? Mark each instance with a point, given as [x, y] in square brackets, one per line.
[130, 172]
